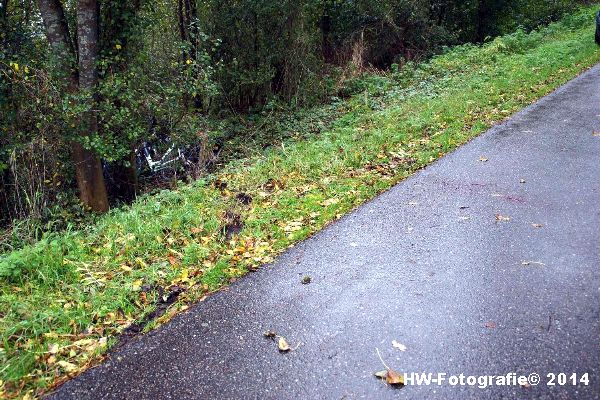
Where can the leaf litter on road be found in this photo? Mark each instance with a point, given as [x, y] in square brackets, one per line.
[283, 345]
[398, 345]
[532, 263]
[390, 376]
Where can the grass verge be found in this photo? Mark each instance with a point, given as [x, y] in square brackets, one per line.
[65, 300]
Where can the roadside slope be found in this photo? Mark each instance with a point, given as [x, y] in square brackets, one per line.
[480, 268]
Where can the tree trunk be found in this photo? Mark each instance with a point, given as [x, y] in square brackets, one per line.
[57, 31]
[88, 167]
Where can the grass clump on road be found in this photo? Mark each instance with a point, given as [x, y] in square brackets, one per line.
[65, 300]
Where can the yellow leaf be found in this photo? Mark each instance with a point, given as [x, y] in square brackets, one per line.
[53, 348]
[293, 226]
[185, 275]
[137, 285]
[67, 366]
[283, 345]
[83, 342]
[330, 202]
[141, 262]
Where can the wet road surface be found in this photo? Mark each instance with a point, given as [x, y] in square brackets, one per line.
[433, 264]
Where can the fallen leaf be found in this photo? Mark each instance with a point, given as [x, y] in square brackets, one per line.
[172, 260]
[269, 334]
[394, 378]
[596, 134]
[185, 275]
[390, 376]
[141, 262]
[381, 374]
[502, 218]
[398, 345]
[306, 280]
[522, 181]
[293, 226]
[483, 159]
[83, 342]
[67, 366]
[537, 225]
[53, 348]
[330, 202]
[490, 325]
[532, 262]
[137, 285]
[283, 345]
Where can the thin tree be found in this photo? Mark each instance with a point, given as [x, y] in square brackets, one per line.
[83, 77]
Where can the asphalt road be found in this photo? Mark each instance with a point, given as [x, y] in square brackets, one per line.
[427, 264]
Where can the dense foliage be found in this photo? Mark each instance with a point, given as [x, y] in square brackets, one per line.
[187, 72]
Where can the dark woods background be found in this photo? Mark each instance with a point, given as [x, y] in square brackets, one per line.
[89, 89]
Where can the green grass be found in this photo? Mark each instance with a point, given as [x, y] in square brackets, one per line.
[64, 300]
